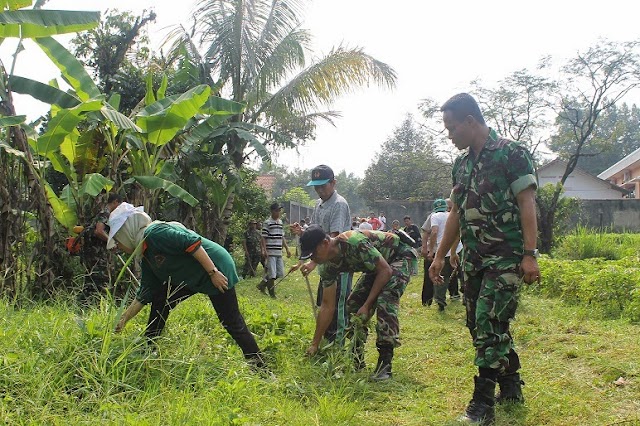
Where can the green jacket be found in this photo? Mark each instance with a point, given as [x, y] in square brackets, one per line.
[168, 257]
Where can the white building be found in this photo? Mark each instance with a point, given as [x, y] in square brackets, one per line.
[625, 173]
[579, 184]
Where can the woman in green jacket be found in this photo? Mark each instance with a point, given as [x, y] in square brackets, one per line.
[176, 264]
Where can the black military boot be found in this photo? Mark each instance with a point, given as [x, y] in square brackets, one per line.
[510, 389]
[480, 410]
[383, 367]
[272, 288]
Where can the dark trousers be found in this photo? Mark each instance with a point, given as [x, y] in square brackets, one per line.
[427, 284]
[225, 305]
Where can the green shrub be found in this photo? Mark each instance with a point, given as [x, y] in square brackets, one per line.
[608, 288]
[587, 244]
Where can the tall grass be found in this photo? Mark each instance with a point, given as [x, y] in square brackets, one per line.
[61, 366]
[587, 243]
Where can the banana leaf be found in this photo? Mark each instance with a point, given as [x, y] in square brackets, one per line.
[61, 211]
[72, 70]
[12, 120]
[154, 182]
[44, 23]
[163, 119]
[93, 184]
[42, 92]
[14, 4]
[220, 106]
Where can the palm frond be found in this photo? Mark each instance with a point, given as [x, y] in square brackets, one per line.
[340, 72]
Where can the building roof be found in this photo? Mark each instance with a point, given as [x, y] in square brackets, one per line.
[621, 165]
[266, 182]
[578, 170]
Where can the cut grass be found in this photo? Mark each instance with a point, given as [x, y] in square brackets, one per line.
[59, 366]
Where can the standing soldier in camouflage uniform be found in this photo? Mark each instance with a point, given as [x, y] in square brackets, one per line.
[93, 253]
[384, 260]
[494, 184]
[252, 249]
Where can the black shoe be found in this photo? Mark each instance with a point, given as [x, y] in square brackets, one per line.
[262, 286]
[427, 303]
[510, 389]
[480, 410]
[440, 308]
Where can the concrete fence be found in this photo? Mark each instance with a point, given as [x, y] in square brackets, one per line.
[621, 215]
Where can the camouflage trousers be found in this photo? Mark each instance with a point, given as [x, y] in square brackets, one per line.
[251, 264]
[387, 305]
[491, 298]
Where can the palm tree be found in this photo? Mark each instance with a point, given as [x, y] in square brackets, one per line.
[254, 52]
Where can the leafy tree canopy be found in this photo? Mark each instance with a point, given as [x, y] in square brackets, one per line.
[616, 135]
[407, 167]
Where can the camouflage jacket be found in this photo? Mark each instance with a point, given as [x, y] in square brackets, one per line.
[485, 189]
[253, 239]
[93, 247]
[360, 251]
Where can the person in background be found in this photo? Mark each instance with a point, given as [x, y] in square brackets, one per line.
[273, 242]
[374, 221]
[364, 225]
[438, 219]
[414, 232]
[176, 264]
[427, 283]
[383, 222]
[454, 287]
[93, 253]
[332, 214]
[252, 245]
[494, 214]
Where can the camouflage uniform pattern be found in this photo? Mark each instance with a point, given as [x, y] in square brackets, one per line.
[360, 251]
[485, 189]
[252, 239]
[96, 259]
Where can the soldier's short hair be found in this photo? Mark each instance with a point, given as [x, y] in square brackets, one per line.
[114, 196]
[463, 105]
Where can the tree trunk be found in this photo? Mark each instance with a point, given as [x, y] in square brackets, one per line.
[10, 223]
[547, 220]
[46, 252]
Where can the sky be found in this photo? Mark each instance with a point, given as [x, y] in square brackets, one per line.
[436, 48]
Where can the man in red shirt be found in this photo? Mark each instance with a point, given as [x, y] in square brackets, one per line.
[374, 221]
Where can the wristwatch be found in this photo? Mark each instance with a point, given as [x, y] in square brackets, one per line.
[533, 253]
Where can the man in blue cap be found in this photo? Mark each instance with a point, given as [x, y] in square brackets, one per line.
[332, 213]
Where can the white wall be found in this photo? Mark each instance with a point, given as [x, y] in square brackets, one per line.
[579, 185]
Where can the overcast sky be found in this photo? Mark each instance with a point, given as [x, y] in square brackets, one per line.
[436, 48]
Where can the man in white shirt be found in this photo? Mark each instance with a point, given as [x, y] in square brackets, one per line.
[383, 220]
[438, 221]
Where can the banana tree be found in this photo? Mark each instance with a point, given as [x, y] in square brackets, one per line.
[20, 23]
